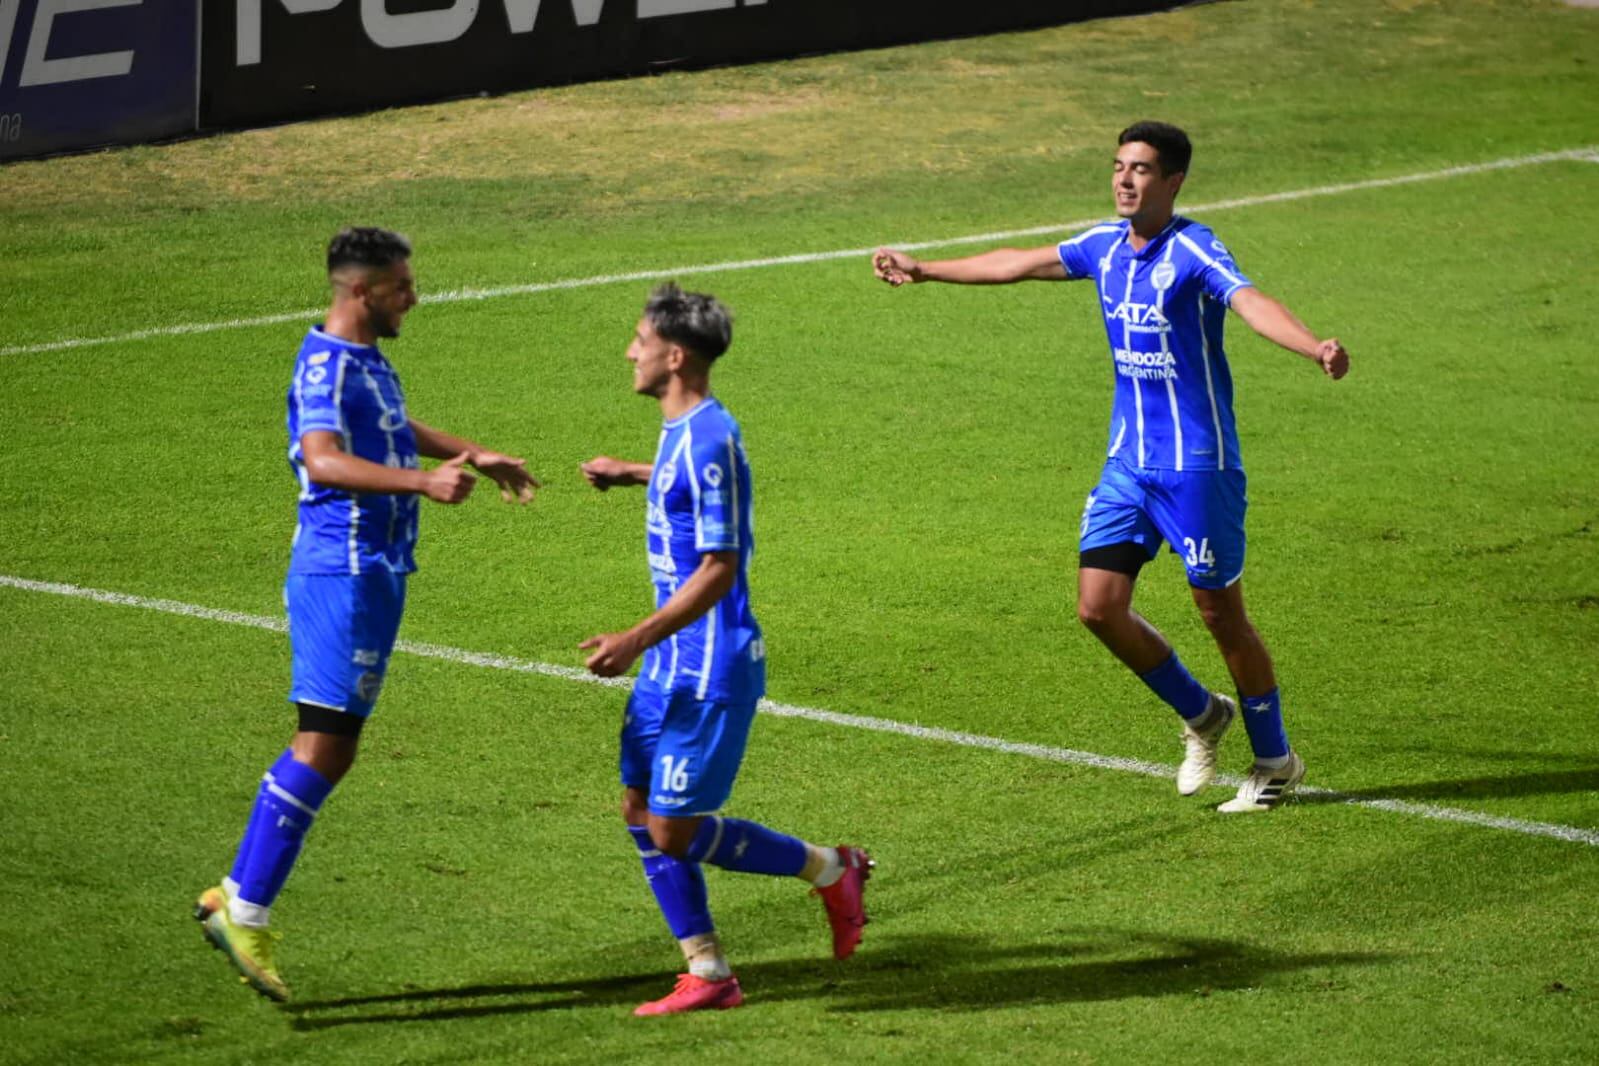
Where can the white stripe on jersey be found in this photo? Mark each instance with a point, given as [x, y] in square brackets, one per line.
[710, 651]
[1121, 435]
[1210, 386]
[1109, 227]
[344, 436]
[1165, 349]
[732, 481]
[388, 434]
[295, 454]
[338, 398]
[1208, 261]
[355, 526]
[1127, 345]
[686, 450]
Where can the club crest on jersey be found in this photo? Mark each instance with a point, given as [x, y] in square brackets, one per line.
[712, 474]
[668, 474]
[1163, 275]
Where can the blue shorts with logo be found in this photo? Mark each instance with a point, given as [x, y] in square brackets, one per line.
[683, 750]
[342, 629]
[1200, 513]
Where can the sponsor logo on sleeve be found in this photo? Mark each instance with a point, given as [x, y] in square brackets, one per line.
[319, 358]
[369, 686]
[712, 473]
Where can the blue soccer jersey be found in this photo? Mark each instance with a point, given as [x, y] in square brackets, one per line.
[698, 502]
[1164, 307]
[351, 390]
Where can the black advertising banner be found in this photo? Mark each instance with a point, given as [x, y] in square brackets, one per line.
[80, 73]
[268, 60]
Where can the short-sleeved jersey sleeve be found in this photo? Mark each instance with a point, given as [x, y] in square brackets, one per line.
[1213, 264]
[1080, 254]
[719, 483]
[317, 380]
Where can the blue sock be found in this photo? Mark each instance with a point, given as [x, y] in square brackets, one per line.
[679, 887]
[1263, 720]
[748, 847]
[1172, 682]
[290, 795]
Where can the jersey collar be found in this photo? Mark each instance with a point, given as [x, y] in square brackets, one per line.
[1156, 243]
[673, 423]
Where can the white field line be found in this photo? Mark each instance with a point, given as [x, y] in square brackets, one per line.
[1589, 154]
[1571, 834]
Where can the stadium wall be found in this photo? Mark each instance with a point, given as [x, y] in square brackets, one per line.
[82, 73]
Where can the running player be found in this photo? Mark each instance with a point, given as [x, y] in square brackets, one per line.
[704, 662]
[354, 451]
[1173, 470]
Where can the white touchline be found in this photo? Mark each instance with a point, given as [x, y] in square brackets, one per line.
[1569, 833]
[1588, 154]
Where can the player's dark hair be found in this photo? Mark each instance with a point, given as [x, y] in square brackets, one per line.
[366, 246]
[1170, 144]
[696, 321]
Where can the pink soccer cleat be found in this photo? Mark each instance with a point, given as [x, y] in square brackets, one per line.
[846, 907]
[694, 993]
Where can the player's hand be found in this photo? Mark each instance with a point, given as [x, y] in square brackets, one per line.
[896, 268]
[450, 481]
[613, 653]
[603, 472]
[1332, 357]
[510, 474]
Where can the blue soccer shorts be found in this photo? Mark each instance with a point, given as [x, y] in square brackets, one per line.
[684, 751]
[1200, 513]
[342, 629]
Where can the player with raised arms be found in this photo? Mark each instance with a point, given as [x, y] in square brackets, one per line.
[354, 451]
[704, 663]
[1173, 470]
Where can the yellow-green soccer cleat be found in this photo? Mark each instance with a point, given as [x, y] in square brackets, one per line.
[249, 949]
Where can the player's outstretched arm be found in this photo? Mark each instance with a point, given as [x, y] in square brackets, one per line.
[329, 465]
[613, 653]
[603, 472]
[999, 267]
[1279, 325]
[506, 471]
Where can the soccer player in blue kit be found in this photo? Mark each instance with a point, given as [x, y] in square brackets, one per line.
[354, 451]
[1173, 470]
[704, 661]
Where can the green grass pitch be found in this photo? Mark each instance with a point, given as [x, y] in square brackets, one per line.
[1424, 564]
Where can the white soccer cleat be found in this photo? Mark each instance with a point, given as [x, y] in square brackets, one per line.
[1264, 789]
[1199, 765]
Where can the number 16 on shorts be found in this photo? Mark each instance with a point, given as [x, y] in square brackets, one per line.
[674, 773]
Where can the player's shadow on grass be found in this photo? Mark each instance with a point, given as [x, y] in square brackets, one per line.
[1503, 786]
[945, 971]
[971, 973]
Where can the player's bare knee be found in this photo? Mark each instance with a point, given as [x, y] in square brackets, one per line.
[673, 835]
[634, 810]
[1096, 615]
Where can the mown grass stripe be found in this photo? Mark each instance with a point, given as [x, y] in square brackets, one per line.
[1589, 153]
[1069, 756]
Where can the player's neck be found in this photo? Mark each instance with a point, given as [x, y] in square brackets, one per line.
[346, 324]
[1143, 229]
[683, 395]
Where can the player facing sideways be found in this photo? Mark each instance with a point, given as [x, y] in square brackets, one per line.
[704, 669]
[354, 451]
[1173, 469]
